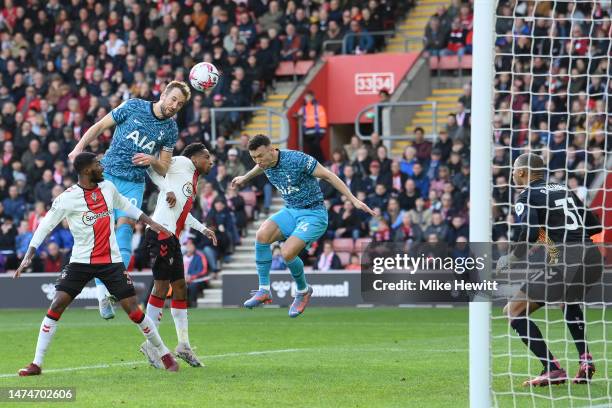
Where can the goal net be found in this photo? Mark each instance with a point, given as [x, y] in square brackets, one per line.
[551, 97]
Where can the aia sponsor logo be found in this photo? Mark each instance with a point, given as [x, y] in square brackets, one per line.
[89, 217]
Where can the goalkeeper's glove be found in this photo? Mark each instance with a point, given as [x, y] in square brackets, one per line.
[504, 262]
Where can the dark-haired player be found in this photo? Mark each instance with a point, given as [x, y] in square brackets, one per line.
[88, 206]
[143, 130]
[176, 194]
[553, 218]
[300, 223]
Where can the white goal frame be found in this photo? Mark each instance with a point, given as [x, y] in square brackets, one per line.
[480, 192]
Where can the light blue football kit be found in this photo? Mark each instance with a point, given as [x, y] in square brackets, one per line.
[304, 215]
[138, 130]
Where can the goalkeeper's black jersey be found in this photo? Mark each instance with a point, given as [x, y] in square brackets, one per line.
[550, 214]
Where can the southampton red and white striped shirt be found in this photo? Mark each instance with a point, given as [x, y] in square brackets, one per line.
[91, 221]
[182, 180]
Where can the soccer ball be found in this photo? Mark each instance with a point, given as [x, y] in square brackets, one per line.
[203, 76]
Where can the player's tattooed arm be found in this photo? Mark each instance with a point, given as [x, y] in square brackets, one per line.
[240, 181]
[92, 133]
[323, 173]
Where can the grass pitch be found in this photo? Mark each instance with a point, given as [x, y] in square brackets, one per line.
[329, 357]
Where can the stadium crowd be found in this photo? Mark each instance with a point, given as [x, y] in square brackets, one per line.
[66, 64]
[552, 88]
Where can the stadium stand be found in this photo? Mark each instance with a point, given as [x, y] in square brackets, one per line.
[85, 60]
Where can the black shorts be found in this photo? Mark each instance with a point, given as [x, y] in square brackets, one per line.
[166, 256]
[75, 276]
[570, 280]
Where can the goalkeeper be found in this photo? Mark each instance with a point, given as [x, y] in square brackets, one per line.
[554, 218]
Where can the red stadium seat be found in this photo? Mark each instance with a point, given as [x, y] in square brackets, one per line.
[285, 68]
[449, 63]
[343, 245]
[345, 257]
[445, 63]
[302, 67]
[466, 62]
[361, 244]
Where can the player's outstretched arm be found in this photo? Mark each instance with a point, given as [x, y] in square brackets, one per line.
[198, 226]
[92, 133]
[240, 181]
[323, 173]
[53, 217]
[25, 262]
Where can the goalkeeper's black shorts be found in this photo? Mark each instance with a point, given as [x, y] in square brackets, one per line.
[576, 273]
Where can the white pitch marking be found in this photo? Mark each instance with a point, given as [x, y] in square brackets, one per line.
[128, 363]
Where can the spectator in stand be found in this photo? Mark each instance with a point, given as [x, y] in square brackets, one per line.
[353, 181]
[278, 263]
[22, 240]
[314, 41]
[379, 197]
[420, 215]
[328, 260]
[456, 44]
[420, 179]
[348, 222]
[438, 227]
[383, 159]
[383, 233]
[235, 203]
[444, 145]
[423, 147]
[358, 39]
[196, 269]
[377, 177]
[406, 231]
[435, 38]
[394, 213]
[292, 45]
[8, 235]
[272, 18]
[53, 258]
[333, 37]
[314, 125]
[233, 164]
[354, 264]
[14, 205]
[458, 228]
[351, 148]
[36, 216]
[42, 190]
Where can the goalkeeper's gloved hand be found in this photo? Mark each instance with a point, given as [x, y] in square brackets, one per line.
[504, 262]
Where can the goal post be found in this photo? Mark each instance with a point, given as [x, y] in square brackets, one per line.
[480, 191]
[542, 83]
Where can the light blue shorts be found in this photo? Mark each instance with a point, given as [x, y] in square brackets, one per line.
[308, 225]
[131, 190]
